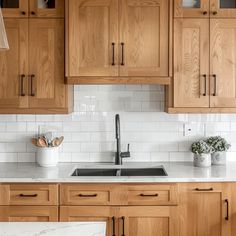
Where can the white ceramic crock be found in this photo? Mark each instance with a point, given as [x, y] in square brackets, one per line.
[203, 160]
[218, 158]
[48, 156]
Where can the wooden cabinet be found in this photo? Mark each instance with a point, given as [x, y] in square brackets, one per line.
[128, 209]
[46, 70]
[32, 8]
[223, 63]
[28, 214]
[117, 41]
[204, 58]
[33, 80]
[149, 221]
[191, 63]
[203, 209]
[14, 65]
[143, 27]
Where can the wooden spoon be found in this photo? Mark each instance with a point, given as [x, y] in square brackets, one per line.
[42, 142]
[57, 141]
[34, 141]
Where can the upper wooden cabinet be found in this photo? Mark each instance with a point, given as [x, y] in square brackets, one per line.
[117, 40]
[191, 62]
[32, 8]
[205, 8]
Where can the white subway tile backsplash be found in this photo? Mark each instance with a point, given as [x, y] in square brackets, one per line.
[90, 130]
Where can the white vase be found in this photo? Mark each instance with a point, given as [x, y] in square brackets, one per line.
[48, 156]
[202, 160]
[218, 158]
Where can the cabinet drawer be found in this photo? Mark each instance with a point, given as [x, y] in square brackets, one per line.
[28, 194]
[84, 195]
[152, 195]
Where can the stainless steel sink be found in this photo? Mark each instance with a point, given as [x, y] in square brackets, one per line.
[157, 171]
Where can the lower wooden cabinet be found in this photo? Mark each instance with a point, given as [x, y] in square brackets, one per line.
[204, 209]
[129, 221]
[28, 214]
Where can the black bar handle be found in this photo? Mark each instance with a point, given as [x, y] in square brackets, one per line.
[204, 189]
[123, 225]
[205, 85]
[148, 195]
[227, 209]
[22, 77]
[215, 85]
[113, 54]
[113, 226]
[32, 77]
[87, 195]
[122, 54]
[28, 195]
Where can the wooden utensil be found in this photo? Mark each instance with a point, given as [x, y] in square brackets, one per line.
[42, 142]
[34, 141]
[57, 141]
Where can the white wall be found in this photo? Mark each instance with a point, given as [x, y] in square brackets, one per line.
[89, 131]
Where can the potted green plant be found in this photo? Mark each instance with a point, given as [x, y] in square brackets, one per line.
[202, 153]
[219, 148]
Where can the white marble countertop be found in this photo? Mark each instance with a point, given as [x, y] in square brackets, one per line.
[53, 229]
[177, 172]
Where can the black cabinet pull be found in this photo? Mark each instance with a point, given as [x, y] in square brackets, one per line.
[113, 226]
[28, 195]
[87, 195]
[123, 225]
[22, 77]
[113, 54]
[205, 85]
[23, 13]
[214, 13]
[148, 195]
[204, 13]
[215, 85]
[32, 77]
[122, 54]
[204, 189]
[227, 209]
[33, 13]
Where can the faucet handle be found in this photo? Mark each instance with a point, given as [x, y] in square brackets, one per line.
[126, 154]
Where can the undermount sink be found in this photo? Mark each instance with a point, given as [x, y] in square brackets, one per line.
[158, 171]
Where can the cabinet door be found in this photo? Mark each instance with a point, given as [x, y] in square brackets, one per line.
[143, 38]
[203, 210]
[14, 66]
[46, 65]
[190, 8]
[223, 63]
[14, 8]
[148, 221]
[93, 38]
[91, 214]
[28, 214]
[223, 8]
[191, 63]
[50, 8]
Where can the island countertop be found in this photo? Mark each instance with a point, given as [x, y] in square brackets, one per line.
[177, 172]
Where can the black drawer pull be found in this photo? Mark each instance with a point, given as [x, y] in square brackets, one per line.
[122, 54]
[148, 195]
[22, 77]
[28, 195]
[87, 195]
[113, 54]
[32, 93]
[227, 209]
[204, 189]
[123, 226]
